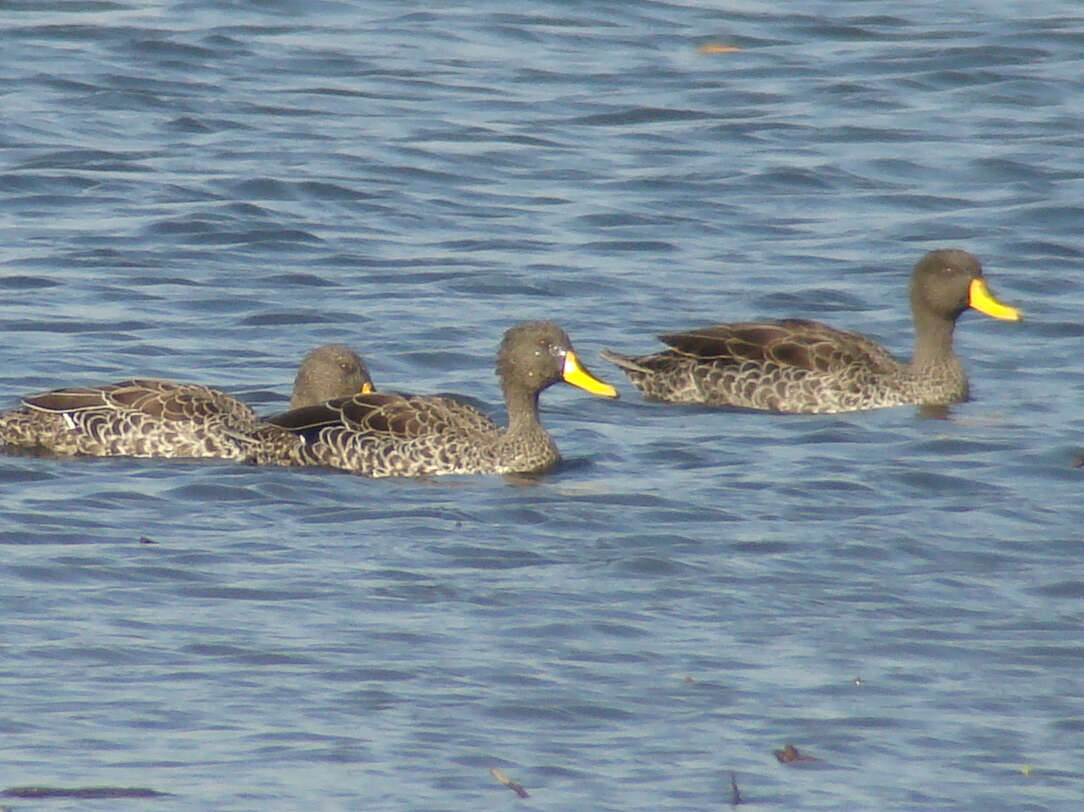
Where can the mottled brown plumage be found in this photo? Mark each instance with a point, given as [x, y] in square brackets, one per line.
[383, 435]
[146, 417]
[796, 365]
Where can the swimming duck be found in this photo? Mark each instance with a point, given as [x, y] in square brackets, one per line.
[382, 435]
[795, 365]
[146, 417]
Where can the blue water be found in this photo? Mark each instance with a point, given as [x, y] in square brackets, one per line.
[205, 190]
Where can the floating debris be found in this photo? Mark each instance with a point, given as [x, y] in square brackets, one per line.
[716, 48]
[497, 773]
[790, 754]
[735, 796]
[146, 540]
[82, 792]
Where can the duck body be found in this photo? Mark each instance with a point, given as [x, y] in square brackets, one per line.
[147, 417]
[395, 435]
[383, 435]
[796, 365]
[138, 418]
[790, 365]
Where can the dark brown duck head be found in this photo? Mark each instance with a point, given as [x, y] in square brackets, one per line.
[328, 372]
[947, 282]
[536, 354]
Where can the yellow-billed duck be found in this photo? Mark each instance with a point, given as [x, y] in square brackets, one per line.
[381, 435]
[795, 365]
[145, 417]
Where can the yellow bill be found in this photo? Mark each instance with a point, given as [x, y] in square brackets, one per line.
[983, 300]
[367, 388]
[575, 374]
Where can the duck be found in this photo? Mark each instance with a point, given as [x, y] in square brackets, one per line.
[382, 434]
[802, 366]
[150, 417]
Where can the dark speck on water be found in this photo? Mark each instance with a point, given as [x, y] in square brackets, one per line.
[86, 793]
[205, 190]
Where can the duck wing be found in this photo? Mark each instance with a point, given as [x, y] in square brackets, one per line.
[141, 417]
[157, 399]
[386, 416]
[788, 343]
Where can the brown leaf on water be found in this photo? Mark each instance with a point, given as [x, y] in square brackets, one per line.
[716, 48]
[497, 773]
[790, 753]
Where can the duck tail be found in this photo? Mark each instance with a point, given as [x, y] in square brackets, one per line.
[623, 361]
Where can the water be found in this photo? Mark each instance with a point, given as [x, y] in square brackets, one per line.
[205, 190]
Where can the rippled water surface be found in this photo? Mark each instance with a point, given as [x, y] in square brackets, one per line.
[205, 190]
